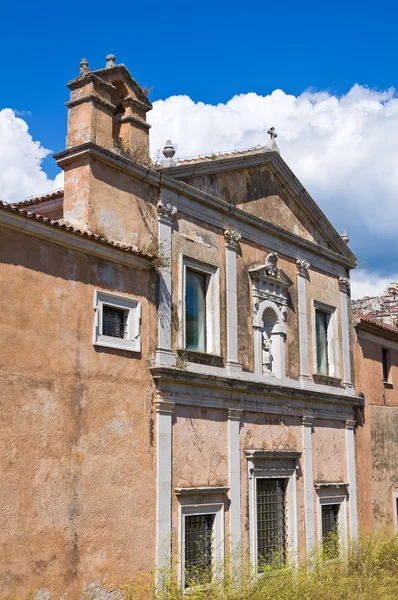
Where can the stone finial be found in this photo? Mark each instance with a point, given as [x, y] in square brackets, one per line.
[84, 68]
[302, 266]
[168, 153]
[110, 61]
[271, 145]
[232, 238]
[344, 236]
[344, 284]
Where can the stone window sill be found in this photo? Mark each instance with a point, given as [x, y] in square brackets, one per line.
[326, 380]
[388, 385]
[201, 358]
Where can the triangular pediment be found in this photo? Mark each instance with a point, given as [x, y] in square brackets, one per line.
[262, 184]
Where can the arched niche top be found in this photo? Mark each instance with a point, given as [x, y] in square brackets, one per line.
[258, 321]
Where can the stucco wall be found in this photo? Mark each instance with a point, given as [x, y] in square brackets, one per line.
[257, 191]
[76, 443]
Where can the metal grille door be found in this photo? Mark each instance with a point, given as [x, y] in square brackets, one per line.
[198, 549]
[271, 520]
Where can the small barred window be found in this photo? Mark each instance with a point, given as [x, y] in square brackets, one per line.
[114, 322]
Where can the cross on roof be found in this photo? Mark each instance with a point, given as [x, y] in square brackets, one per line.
[271, 131]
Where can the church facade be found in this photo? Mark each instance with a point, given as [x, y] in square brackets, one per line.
[178, 382]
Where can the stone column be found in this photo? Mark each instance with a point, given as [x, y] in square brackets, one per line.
[232, 245]
[164, 411]
[302, 275]
[164, 354]
[234, 417]
[352, 479]
[308, 483]
[344, 284]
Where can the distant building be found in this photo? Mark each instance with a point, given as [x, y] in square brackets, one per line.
[383, 308]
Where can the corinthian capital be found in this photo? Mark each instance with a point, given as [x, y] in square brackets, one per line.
[232, 238]
[302, 266]
[166, 211]
[344, 284]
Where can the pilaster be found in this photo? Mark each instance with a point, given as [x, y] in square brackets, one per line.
[234, 417]
[164, 423]
[302, 276]
[344, 284]
[166, 213]
[232, 239]
[352, 479]
[308, 483]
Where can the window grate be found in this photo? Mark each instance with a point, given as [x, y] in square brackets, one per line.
[198, 549]
[114, 322]
[330, 523]
[271, 520]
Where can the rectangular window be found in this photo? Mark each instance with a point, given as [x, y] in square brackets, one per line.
[271, 520]
[195, 310]
[385, 359]
[198, 549]
[330, 526]
[117, 321]
[322, 319]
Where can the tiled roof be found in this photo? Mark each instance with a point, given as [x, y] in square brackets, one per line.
[376, 323]
[216, 156]
[37, 199]
[61, 224]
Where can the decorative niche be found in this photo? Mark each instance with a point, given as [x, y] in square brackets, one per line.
[270, 287]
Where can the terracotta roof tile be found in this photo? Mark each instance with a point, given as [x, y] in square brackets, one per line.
[37, 199]
[60, 224]
[376, 323]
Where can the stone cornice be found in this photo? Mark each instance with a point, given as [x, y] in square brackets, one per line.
[136, 121]
[90, 77]
[201, 490]
[94, 99]
[71, 240]
[274, 454]
[247, 394]
[244, 220]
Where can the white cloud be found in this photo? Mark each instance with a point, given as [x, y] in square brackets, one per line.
[366, 283]
[21, 174]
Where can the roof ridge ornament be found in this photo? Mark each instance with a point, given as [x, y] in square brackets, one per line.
[271, 145]
[110, 61]
[84, 68]
[168, 153]
[345, 236]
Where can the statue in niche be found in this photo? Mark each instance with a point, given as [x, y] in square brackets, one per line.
[267, 356]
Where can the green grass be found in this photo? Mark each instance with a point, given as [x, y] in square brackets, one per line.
[367, 570]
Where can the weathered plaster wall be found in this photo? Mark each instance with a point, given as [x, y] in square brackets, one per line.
[384, 436]
[110, 203]
[376, 434]
[329, 459]
[258, 191]
[76, 442]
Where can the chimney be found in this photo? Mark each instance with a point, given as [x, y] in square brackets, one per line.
[108, 107]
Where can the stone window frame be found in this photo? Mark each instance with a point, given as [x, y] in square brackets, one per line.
[188, 507]
[274, 465]
[333, 339]
[213, 341]
[333, 494]
[133, 341]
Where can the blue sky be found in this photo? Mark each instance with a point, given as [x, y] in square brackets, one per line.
[210, 52]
